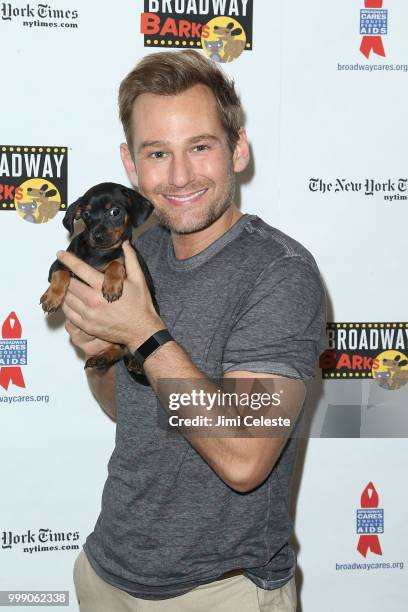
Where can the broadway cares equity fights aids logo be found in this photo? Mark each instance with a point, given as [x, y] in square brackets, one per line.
[370, 522]
[369, 529]
[376, 351]
[13, 352]
[373, 26]
[221, 28]
[33, 181]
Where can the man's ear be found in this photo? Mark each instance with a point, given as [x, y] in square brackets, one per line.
[129, 164]
[139, 208]
[240, 157]
[73, 213]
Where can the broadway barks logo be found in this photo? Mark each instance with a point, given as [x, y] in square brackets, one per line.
[13, 352]
[370, 522]
[373, 25]
[376, 351]
[222, 28]
[33, 181]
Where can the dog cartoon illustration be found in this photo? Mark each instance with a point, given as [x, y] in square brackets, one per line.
[46, 208]
[232, 47]
[394, 377]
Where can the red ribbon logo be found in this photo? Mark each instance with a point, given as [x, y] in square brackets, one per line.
[369, 499]
[372, 43]
[11, 329]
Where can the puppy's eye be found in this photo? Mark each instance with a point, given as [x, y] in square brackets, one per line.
[86, 215]
[114, 212]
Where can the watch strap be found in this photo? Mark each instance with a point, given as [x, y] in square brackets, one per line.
[151, 344]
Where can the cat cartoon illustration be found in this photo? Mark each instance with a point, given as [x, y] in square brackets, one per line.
[28, 209]
[213, 48]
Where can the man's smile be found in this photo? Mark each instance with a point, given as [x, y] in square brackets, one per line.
[182, 200]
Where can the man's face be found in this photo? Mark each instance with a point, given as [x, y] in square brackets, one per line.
[181, 160]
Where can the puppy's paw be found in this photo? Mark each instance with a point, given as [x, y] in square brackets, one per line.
[105, 358]
[98, 361]
[51, 300]
[112, 291]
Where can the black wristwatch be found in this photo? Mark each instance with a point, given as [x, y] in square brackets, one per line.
[150, 345]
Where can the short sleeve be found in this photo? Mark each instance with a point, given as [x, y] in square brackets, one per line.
[281, 326]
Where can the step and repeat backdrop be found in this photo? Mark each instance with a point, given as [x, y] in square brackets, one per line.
[324, 86]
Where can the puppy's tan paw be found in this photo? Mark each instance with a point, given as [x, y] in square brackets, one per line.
[51, 300]
[112, 292]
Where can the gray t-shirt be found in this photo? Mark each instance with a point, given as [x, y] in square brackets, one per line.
[253, 300]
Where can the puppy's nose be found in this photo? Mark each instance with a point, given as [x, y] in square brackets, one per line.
[98, 236]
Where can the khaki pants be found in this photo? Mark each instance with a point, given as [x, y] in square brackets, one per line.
[235, 594]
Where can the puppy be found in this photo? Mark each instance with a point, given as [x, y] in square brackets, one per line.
[109, 211]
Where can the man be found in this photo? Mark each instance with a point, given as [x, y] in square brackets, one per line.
[195, 522]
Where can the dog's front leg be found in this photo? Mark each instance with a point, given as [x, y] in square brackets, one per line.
[59, 278]
[112, 287]
[107, 357]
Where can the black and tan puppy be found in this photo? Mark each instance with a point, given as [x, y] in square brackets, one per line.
[109, 211]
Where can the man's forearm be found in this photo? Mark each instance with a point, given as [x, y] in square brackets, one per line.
[102, 384]
[236, 457]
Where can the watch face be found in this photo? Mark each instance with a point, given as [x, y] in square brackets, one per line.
[134, 361]
[147, 348]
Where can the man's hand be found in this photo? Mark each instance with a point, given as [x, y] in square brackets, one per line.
[89, 345]
[129, 321]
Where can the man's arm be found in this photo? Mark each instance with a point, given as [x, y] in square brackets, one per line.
[102, 385]
[101, 381]
[243, 462]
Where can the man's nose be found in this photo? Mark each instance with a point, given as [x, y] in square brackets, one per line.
[181, 170]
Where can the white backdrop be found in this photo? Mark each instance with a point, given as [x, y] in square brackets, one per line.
[306, 119]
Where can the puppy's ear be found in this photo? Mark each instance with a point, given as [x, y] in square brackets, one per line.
[73, 213]
[139, 208]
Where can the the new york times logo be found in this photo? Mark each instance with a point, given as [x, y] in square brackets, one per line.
[390, 189]
[41, 11]
[43, 540]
